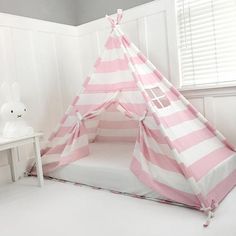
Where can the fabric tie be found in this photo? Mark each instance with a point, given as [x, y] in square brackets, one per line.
[115, 22]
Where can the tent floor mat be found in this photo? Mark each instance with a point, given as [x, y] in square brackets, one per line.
[107, 168]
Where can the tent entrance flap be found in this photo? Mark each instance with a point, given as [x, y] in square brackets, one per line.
[112, 125]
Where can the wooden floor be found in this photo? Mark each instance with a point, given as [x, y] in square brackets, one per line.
[61, 209]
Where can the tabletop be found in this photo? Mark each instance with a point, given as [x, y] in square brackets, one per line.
[12, 140]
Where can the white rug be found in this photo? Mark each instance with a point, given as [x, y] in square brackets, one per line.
[61, 209]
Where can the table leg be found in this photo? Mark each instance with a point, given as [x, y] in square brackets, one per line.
[13, 158]
[38, 162]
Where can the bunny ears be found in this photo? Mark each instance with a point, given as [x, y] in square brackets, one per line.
[11, 93]
[116, 21]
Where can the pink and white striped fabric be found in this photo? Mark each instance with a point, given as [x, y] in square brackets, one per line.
[177, 152]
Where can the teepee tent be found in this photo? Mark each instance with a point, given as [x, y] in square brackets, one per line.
[177, 152]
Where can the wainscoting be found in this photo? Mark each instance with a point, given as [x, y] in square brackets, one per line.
[43, 58]
[50, 61]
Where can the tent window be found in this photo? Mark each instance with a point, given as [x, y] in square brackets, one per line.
[158, 98]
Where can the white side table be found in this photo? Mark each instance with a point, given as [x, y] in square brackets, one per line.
[14, 143]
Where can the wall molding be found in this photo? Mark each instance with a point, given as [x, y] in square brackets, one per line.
[213, 92]
[26, 23]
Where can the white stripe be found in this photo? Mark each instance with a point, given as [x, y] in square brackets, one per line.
[111, 78]
[184, 128]
[112, 54]
[142, 69]
[91, 123]
[171, 179]
[50, 158]
[94, 98]
[131, 52]
[217, 174]
[118, 132]
[200, 150]
[176, 106]
[151, 123]
[131, 97]
[113, 116]
[70, 121]
[69, 109]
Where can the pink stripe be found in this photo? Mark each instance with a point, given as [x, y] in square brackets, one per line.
[173, 194]
[98, 61]
[126, 42]
[62, 131]
[69, 141]
[193, 109]
[218, 193]
[113, 42]
[124, 124]
[229, 145]
[112, 107]
[92, 130]
[175, 91]
[142, 57]
[55, 150]
[177, 118]
[208, 162]
[159, 159]
[156, 135]
[75, 155]
[112, 66]
[63, 119]
[139, 59]
[158, 74]
[149, 78]
[192, 139]
[75, 100]
[137, 108]
[129, 89]
[115, 138]
[86, 82]
[110, 87]
[44, 150]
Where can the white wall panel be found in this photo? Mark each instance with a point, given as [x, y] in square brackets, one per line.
[157, 42]
[48, 84]
[89, 51]
[225, 116]
[132, 31]
[42, 57]
[69, 64]
[102, 38]
[198, 103]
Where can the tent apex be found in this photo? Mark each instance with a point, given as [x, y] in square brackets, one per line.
[115, 22]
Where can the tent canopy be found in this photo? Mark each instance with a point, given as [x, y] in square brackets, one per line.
[177, 152]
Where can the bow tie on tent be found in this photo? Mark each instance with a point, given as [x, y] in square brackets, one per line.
[115, 22]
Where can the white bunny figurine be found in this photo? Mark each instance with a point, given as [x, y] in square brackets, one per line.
[12, 112]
